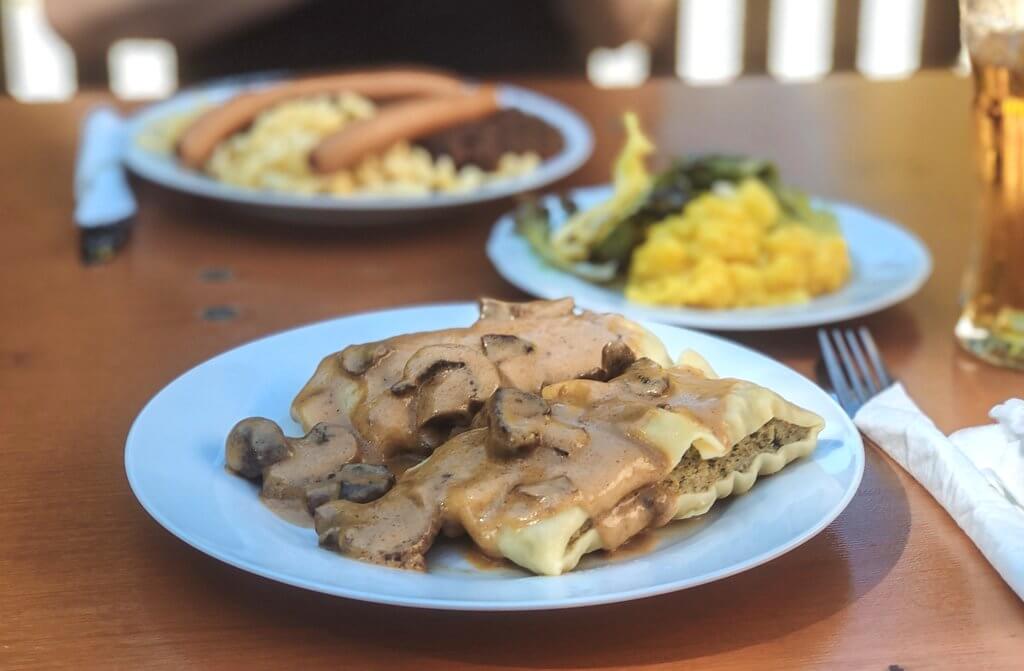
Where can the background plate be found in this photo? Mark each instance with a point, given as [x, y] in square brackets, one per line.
[175, 464]
[337, 210]
[889, 265]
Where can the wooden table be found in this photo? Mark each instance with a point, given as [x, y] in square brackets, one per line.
[87, 579]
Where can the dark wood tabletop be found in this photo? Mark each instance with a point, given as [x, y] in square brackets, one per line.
[88, 580]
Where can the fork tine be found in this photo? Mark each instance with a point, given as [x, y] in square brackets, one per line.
[884, 379]
[858, 356]
[835, 373]
[852, 373]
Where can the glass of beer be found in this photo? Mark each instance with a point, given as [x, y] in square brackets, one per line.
[991, 324]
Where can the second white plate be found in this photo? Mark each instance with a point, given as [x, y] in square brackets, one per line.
[174, 459]
[889, 265]
[318, 209]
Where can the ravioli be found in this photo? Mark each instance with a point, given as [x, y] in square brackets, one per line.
[585, 465]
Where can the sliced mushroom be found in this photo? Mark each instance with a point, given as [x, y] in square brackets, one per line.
[495, 309]
[432, 359]
[447, 400]
[316, 457]
[451, 382]
[516, 421]
[395, 530]
[357, 359]
[645, 378]
[319, 493]
[361, 483]
[499, 347]
[365, 482]
[254, 444]
[616, 357]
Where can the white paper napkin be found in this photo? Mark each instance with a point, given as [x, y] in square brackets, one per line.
[976, 474]
[102, 195]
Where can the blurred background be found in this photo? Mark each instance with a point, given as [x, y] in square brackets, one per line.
[144, 49]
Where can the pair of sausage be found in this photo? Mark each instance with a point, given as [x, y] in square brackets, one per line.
[430, 102]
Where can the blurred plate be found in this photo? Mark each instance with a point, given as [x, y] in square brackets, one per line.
[889, 265]
[174, 459]
[164, 169]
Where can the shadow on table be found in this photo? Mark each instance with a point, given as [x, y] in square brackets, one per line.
[896, 326]
[215, 220]
[802, 588]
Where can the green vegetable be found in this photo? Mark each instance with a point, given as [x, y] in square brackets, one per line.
[631, 182]
[797, 207]
[533, 223]
[597, 244]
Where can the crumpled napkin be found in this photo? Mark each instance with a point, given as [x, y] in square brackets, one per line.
[976, 474]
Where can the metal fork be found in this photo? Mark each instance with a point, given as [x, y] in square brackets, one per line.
[853, 366]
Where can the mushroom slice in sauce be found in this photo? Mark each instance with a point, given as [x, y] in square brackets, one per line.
[256, 448]
[499, 347]
[429, 361]
[253, 444]
[515, 420]
[361, 483]
[616, 358]
[451, 383]
[316, 457]
[357, 359]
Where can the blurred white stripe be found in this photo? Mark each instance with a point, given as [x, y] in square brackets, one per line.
[141, 69]
[889, 38]
[800, 39]
[962, 66]
[629, 65]
[709, 44]
[38, 65]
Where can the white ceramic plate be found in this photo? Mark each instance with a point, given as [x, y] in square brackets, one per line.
[889, 265]
[175, 464]
[164, 170]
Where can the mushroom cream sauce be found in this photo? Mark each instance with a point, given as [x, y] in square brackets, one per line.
[406, 394]
[540, 433]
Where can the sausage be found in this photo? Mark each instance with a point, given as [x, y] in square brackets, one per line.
[406, 120]
[202, 136]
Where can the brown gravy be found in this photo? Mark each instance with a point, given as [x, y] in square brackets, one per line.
[640, 544]
[586, 454]
[522, 346]
[292, 511]
[482, 562]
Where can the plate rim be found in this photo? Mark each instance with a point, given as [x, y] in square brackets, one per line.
[576, 133]
[431, 603]
[725, 320]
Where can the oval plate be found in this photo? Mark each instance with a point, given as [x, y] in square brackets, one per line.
[889, 265]
[175, 464]
[164, 169]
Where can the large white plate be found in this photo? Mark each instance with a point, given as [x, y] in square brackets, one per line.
[164, 170]
[174, 461]
[889, 265]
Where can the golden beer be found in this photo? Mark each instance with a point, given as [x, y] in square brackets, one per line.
[991, 324]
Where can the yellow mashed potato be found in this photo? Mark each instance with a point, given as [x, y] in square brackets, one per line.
[735, 248]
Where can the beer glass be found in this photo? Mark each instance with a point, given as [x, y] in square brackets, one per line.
[991, 323]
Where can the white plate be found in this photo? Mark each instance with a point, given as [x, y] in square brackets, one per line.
[164, 170]
[175, 464]
[889, 265]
